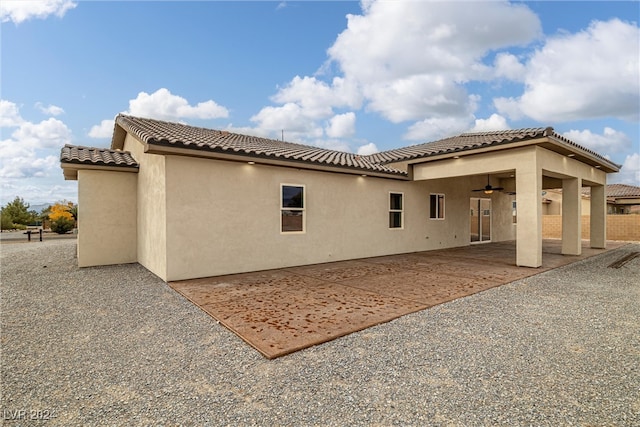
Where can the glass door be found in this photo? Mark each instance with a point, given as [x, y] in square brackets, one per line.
[480, 220]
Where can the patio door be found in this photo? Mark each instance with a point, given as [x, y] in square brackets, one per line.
[480, 220]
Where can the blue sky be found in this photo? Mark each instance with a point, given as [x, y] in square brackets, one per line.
[357, 76]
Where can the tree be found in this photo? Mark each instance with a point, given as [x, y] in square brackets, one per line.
[17, 212]
[62, 225]
[63, 216]
[61, 210]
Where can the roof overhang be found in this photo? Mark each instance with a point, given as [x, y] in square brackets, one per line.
[70, 170]
[548, 142]
[267, 160]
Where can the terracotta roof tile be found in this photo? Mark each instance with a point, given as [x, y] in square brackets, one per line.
[471, 141]
[156, 132]
[616, 190]
[97, 156]
[168, 134]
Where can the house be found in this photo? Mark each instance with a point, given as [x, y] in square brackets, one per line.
[188, 202]
[622, 199]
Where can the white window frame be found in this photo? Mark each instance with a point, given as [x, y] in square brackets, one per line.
[401, 210]
[303, 209]
[439, 209]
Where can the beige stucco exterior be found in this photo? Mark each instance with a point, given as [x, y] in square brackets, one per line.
[152, 208]
[107, 217]
[554, 203]
[529, 165]
[187, 214]
[224, 217]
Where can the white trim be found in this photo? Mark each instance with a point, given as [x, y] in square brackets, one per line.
[438, 209]
[303, 209]
[401, 210]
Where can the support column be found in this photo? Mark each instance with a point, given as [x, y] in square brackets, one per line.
[529, 205]
[571, 216]
[598, 226]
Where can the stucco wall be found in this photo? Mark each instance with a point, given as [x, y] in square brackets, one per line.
[106, 218]
[555, 207]
[224, 217]
[151, 214]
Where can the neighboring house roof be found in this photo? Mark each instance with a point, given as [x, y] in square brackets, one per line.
[617, 190]
[477, 140]
[177, 135]
[73, 157]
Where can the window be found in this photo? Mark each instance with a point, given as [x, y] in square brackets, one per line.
[514, 212]
[292, 208]
[436, 206]
[395, 210]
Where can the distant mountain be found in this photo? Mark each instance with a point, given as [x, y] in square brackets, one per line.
[39, 208]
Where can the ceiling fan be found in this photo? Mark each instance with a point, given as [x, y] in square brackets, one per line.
[488, 189]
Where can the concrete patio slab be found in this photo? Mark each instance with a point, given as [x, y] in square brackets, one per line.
[282, 311]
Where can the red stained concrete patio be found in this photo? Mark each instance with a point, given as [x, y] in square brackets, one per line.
[285, 310]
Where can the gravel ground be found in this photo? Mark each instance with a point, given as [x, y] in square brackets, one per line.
[116, 346]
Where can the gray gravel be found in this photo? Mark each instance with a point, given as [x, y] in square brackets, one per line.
[116, 346]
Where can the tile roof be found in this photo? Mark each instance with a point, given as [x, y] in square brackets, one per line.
[72, 154]
[472, 141]
[168, 134]
[616, 190]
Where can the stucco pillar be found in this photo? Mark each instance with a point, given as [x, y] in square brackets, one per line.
[598, 226]
[571, 216]
[529, 205]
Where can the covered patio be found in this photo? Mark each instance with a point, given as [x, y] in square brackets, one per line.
[281, 311]
[524, 170]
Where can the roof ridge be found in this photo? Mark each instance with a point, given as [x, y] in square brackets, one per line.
[163, 133]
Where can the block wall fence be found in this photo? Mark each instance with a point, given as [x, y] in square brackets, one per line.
[619, 227]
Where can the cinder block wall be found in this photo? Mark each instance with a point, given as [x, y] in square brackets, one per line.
[619, 227]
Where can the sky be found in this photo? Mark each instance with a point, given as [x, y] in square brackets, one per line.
[353, 76]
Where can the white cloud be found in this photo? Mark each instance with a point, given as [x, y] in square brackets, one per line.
[290, 118]
[9, 114]
[50, 133]
[401, 39]
[32, 151]
[436, 127]
[29, 166]
[103, 130]
[317, 97]
[407, 61]
[495, 122]
[29, 161]
[610, 141]
[19, 11]
[366, 149]
[591, 74]
[508, 66]
[163, 105]
[341, 125]
[629, 173]
[50, 110]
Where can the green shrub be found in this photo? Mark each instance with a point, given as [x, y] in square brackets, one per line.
[6, 222]
[62, 225]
